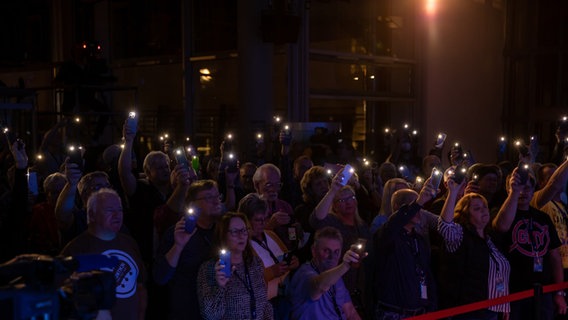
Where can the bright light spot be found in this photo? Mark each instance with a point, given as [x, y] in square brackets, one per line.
[387, 130]
[414, 132]
[39, 157]
[356, 78]
[372, 77]
[77, 119]
[204, 71]
[502, 139]
[431, 7]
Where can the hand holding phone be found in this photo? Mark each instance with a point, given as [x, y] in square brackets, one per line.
[459, 174]
[225, 261]
[436, 178]
[179, 154]
[523, 171]
[191, 220]
[132, 120]
[440, 140]
[346, 174]
[75, 156]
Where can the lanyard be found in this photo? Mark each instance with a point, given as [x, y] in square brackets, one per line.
[264, 245]
[331, 292]
[248, 285]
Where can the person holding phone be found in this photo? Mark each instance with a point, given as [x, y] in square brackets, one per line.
[181, 253]
[276, 259]
[532, 261]
[404, 282]
[472, 268]
[338, 209]
[243, 293]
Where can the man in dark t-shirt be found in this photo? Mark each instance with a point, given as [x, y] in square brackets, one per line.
[532, 246]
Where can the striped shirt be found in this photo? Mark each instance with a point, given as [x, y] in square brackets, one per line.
[499, 268]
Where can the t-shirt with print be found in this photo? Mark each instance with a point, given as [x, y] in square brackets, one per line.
[128, 273]
[557, 212]
[532, 234]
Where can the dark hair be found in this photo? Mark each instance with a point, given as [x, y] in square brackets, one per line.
[198, 186]
[328, 233]
[314, 173]
[222, 229]
[251, 204]
[461, 211]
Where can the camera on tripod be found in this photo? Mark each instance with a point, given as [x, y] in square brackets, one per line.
[39, 287]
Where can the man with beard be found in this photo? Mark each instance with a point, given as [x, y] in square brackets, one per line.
[317, 290]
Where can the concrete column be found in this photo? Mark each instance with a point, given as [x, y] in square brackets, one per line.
[255, 85]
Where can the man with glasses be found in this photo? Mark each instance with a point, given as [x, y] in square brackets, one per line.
[72, 216]
[267, 183]
[181, 253]
[317, 289]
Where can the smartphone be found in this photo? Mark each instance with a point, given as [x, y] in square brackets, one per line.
[459, 174]
[287, 257]
[232, 163]
[436, 178]
[225, 261]
[403, 171]
[440, 139]
[75, 156]
[228, 143]
[32, 183]
[346, 174]
[132, 119]
[360, 247]
[418, 183]
[287, 130]
[179, 153]
[191, 220]
[523, 172]
[475, 179]
[195, 163]
[522, 148]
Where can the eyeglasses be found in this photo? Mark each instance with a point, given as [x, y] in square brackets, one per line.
[238, 232]
[211, 198]
[343, 200]
[277, 185]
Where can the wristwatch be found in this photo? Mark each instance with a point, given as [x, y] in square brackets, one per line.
[561, 293]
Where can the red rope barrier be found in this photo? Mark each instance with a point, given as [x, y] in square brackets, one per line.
[488, 303]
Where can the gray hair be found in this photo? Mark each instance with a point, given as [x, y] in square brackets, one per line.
[93, 202]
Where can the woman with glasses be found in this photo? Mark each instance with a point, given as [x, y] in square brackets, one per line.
[276, 259]
[338, 209]
[242, 293]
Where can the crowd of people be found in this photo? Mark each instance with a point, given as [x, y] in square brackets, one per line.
[296, 236]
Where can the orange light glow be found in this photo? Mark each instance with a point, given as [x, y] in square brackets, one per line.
[431, 7]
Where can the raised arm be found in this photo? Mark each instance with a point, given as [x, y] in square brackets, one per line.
[324, 206]
[66, 201]
[448, 209]
[506, 214]
[127, 178]
[321, 283]
[555, 185]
